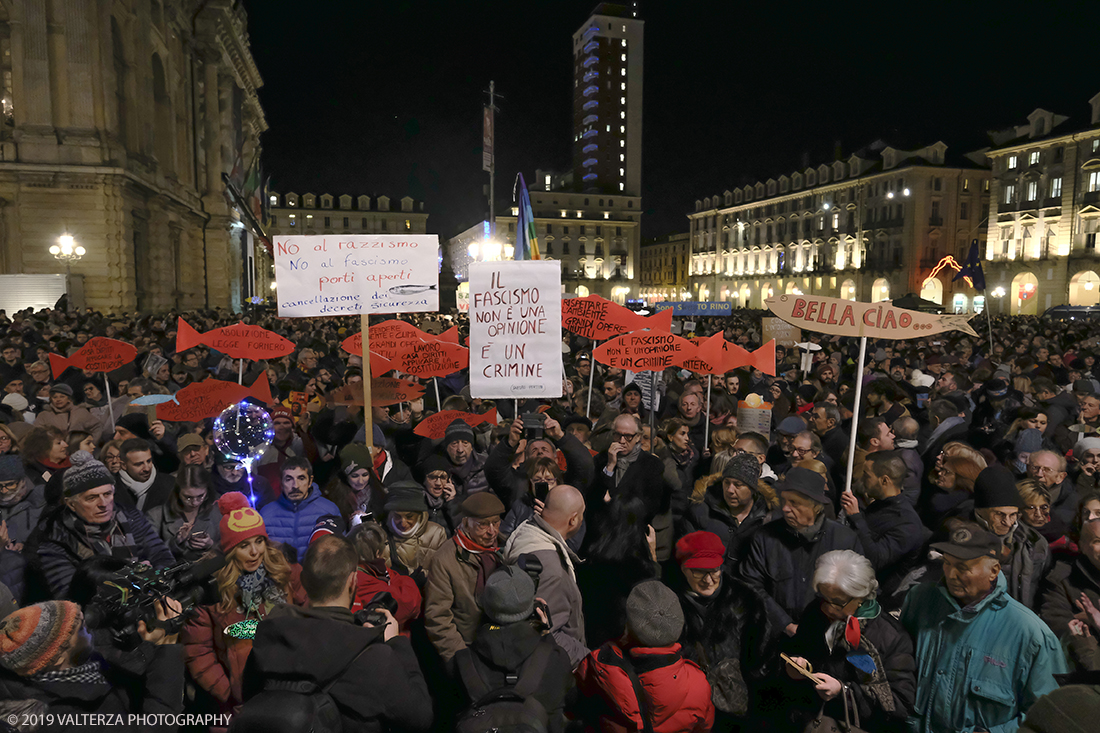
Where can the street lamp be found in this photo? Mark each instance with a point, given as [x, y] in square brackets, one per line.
[68, 251]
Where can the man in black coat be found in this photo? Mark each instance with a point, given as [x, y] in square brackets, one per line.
[825, 421]
[139, 482]
[371, 673]
[624, 471]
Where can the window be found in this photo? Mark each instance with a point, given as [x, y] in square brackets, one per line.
[1055, 188]
[1010, 193]
[408, 225]
[935, 210]
[293, 220]
[1033, 158]
[328, 222]
[1013, 161]
[345, 222]
[836, 221]
[964, 210]
[1032, 190]
[385, 225]
[274, 221]
[1058, 153]
[1094, 181]
[937, 183]
[364, 222]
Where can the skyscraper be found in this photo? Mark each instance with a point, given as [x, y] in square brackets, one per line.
[607, 102]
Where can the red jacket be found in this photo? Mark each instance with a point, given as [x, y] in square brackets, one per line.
[676, 688]
[401, 587]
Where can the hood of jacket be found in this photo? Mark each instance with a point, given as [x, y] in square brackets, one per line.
[506, 647]
[308, 643]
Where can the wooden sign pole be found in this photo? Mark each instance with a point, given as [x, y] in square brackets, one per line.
[368, 413]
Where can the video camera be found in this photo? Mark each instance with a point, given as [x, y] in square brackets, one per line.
[372, 612]
[117, 598]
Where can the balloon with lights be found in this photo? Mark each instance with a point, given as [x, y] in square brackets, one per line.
[243, 431]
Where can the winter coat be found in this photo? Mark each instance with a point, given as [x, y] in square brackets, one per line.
[712, 515]
[732, 624]
[681, 470]
[167, 525]
[557, 581]
[1025, 568]
[892, 537]
[159, 690]
[510, 484]
[981, 668]
[1060, 590]
[75, 417]
[416, 550]
[1064, 500]
[59, 546]
[497, 651]
[292, 522]
[215, 659]
[911, 486]
[834, 444]
[469, 478]
[13, 568]
[378, 684]
[643, 479]
[23, 516]
[884, 699]
[451, 612]
[155, 496]
[372, 580]
[522, 510]
[779, 563]
[676, 690]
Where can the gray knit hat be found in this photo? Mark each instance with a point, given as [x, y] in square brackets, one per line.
[745, 468]
[459, 429]
[508, 596]
[85, 474]
[653, 614]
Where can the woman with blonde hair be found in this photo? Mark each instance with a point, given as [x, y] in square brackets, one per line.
[256, 577]
[721, 448]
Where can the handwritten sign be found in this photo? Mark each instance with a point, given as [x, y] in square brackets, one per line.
[100, 354]
[644, 351]
[350, 274]
[435, 426]
[433, 359]
[515, 329]
[209, 397]
[598, 318]
[462, 298]
[784, 333]
[241, 341]
[391, 339]
[754, 417]
[840, 317]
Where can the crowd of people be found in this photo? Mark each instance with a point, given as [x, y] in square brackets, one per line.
[601, 561]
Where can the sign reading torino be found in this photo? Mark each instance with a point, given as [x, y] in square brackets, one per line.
[353, 274]
[515, 329]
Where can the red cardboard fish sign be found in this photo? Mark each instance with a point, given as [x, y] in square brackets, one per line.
[433, 359]
[715, 355]
[391, 338]
[384, 391]
[100, 354]
[435, 426]
[598, 318]
[644, 351]
[237, 342]
[208, 398]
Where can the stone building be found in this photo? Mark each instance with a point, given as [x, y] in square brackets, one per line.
[119, 120]
[664, 271]
[872, 227]
[1045, 213]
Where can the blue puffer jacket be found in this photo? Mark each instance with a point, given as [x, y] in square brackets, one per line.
[980, 669]
[292, 523]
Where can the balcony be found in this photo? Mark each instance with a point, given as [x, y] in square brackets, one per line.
[935, 221]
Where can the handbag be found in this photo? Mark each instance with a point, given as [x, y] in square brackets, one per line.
[729, 693]
[827, 724]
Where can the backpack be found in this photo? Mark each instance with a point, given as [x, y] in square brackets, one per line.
[509, 709]
[292, 706]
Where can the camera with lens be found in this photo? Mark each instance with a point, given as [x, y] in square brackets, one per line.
[117, 594]
[372, 612]
[533, 425]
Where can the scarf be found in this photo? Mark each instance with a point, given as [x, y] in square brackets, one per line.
[110, 538]
[18, 496]
[140, 488]
[488, 559]
[87, 674]
[416, 528]
[808, 533]
[626, 461]
[909, 444]
[258, 589]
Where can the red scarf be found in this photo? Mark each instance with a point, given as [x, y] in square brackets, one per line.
[488, 558]
[469, 545]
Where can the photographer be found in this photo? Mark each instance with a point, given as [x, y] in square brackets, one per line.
[47, 655]
[369, 673]
[511, 484]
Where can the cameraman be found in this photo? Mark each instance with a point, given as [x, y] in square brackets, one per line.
[47, 655]
[370, 673]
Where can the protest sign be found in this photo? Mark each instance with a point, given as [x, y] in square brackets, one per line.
[644, 380]
[393, 338]
[435, 426]
[644, 351]
[841, 317]
[598, 318]
[754, 415]
[695, 308]
[432, 359]
[348, 274]
[100, 354]
[515, 329]
[298, 402]
[385, 391]
[782, 332]
[208, 398]
[450, 336]
[241, 341]
[462, 298]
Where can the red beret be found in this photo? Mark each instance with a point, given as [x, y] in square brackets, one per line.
[702, 550]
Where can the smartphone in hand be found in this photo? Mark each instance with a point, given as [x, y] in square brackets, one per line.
[542, 490]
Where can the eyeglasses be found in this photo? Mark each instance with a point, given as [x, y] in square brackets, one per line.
[488, 523]
[801, 451]
[4, 438]
[624, 436]
[9, 487]
[1041, 469]
[703, 573]
[194, 499]
[1038, 509]
[835, 604]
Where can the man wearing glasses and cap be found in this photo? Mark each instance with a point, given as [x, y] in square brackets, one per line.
[983, 658]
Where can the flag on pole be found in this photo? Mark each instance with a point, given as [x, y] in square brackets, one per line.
[972, 268]
[527, 241]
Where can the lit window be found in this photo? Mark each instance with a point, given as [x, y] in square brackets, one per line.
[579, 214]
[622, 143]
[309, 216]
[1055, 188]
[1094, 181]
[623, 86]
[1010, 193]
[622, 115]
[1032, 190]
[607, 214]
[622, 100]
[836, 221]
[1013, 161]
[624, 40]
[623, 58]
[274, 200]
[622, 128]
[1033, 158]
[622, 186]
[563, 213]
[622, 157]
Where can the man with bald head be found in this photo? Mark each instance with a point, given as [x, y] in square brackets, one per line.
[538, 546]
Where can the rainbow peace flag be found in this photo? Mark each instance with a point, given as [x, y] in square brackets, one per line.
[527, 240]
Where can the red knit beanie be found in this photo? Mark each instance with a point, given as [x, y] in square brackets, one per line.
[239, 520]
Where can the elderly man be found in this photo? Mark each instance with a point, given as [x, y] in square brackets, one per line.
[624, 471]
[21, 503]
[456, 456]
[1049, 469]
[538, 545]
[511, 483]
[1090, 410]
[780, 557]
[458, 573]
[1087, 453]
[194, 451]
[62, 414]
[89, 524]
[690, 410]
[982, 658]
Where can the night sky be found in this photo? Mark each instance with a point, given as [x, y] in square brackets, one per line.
[385, 97]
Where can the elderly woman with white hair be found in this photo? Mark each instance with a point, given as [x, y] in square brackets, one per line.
[854, 649]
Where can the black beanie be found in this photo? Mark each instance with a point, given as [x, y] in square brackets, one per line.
[995, 486]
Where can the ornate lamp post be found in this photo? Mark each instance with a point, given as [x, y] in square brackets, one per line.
[66, 250]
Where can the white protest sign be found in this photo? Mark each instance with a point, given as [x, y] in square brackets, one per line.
[515, 329]
[351, 274]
